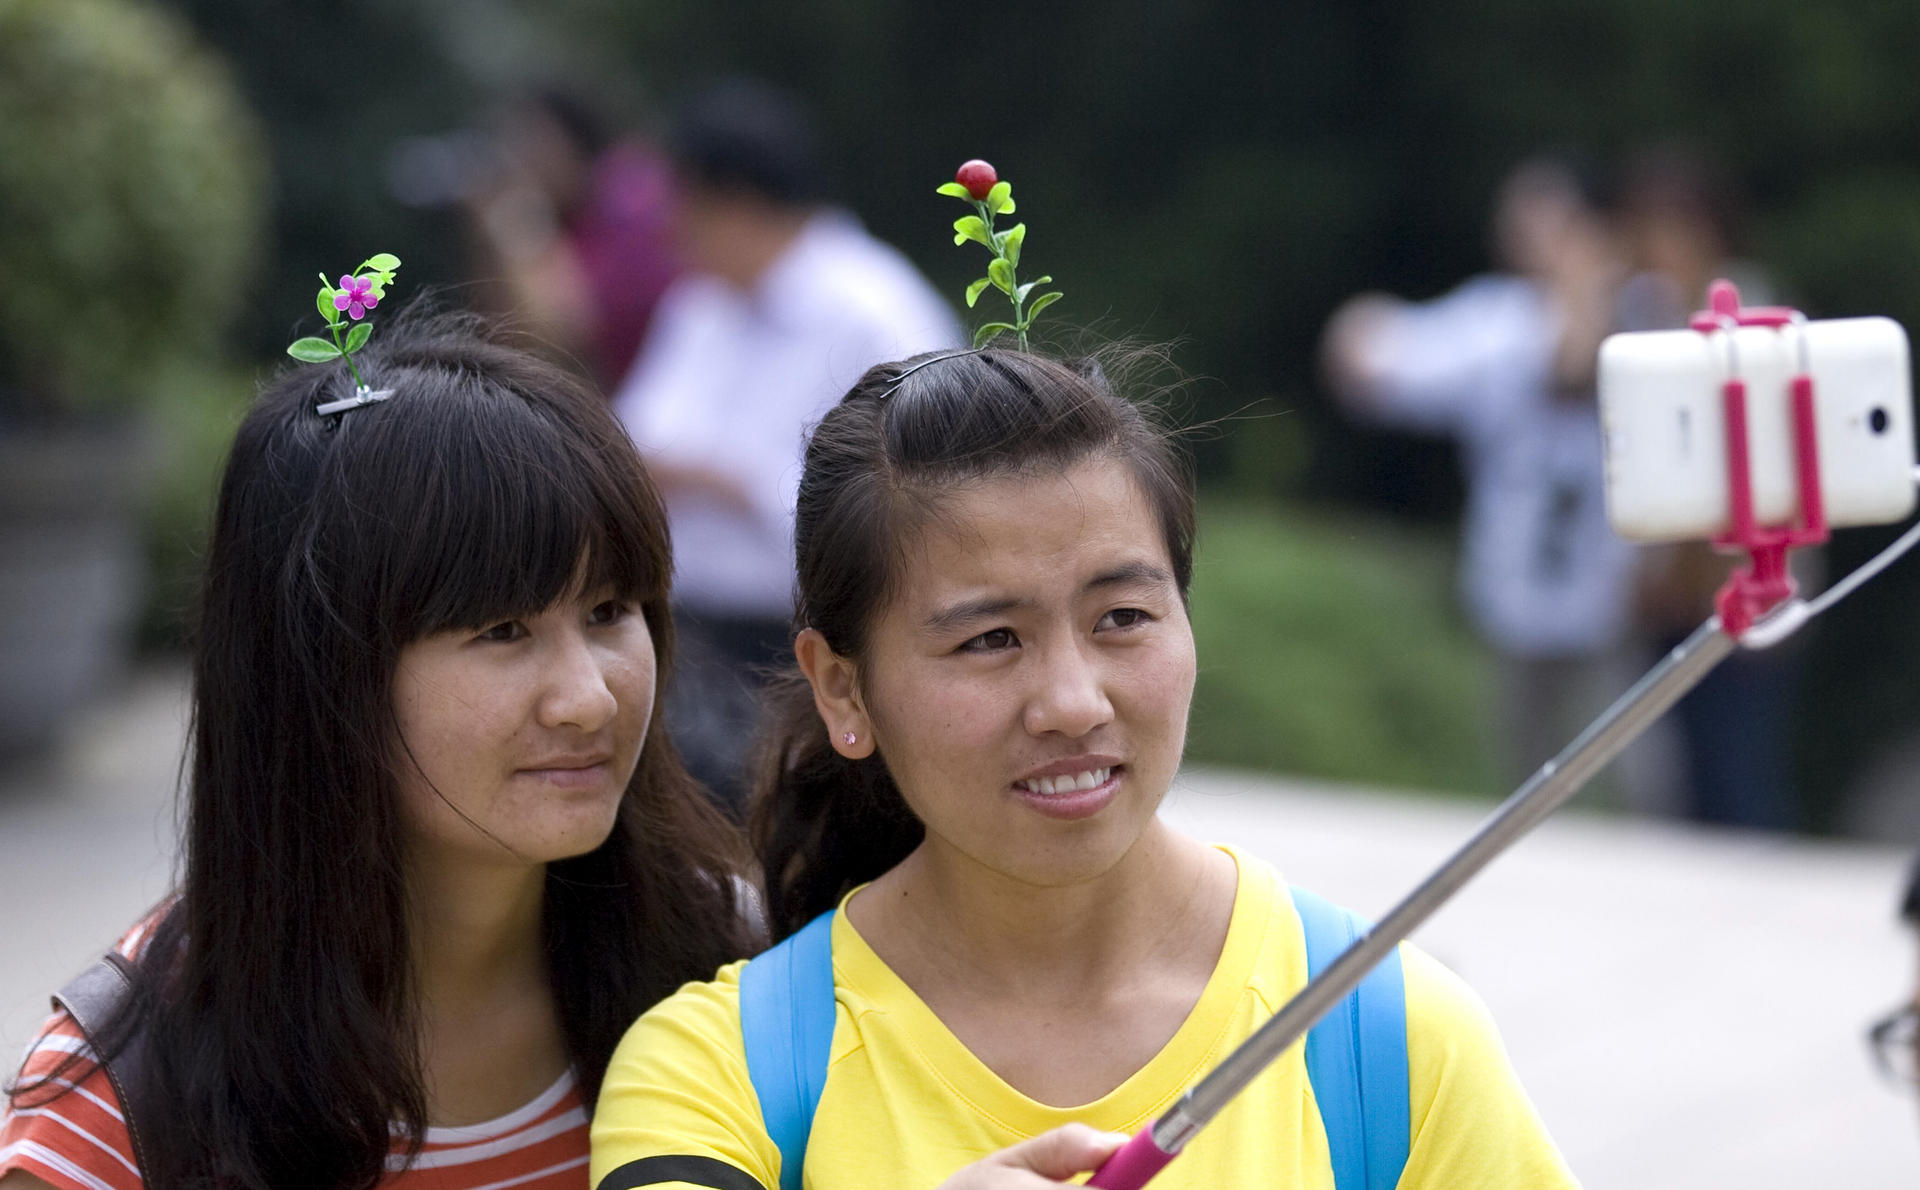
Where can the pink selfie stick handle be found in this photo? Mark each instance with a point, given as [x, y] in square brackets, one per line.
[1130, 1167]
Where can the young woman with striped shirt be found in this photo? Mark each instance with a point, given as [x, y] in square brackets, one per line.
[438, 852]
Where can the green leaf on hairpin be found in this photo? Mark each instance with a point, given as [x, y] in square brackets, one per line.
[313, 351]
[349, 302]
[1029, 287]
[989, 330]
[1010, 247]
[978, 184]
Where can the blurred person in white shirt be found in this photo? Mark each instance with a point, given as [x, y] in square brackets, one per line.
[786, 302]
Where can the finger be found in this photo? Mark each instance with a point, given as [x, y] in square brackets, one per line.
[1063, 1152]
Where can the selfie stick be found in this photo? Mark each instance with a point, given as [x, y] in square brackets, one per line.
[1762, 586]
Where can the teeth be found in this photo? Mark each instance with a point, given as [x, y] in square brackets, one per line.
[1068, 782]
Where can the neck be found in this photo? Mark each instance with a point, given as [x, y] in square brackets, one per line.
[476, 931]
[1167, 892]
[758, 242]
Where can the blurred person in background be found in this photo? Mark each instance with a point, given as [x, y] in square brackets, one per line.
[568, 225]
[1895, 1037]
[786, 302]
[1679, 214]
[1505, 364]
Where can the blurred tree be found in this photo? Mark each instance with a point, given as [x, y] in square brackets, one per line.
[130, 209]
[130, 204]
[337, 84]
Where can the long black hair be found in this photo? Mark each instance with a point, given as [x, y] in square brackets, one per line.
[274, 1006]
[876, 467]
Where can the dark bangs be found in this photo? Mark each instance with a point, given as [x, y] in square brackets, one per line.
[993, 413]
[490, 500]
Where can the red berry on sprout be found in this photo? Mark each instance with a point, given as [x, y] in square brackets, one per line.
[978, 177]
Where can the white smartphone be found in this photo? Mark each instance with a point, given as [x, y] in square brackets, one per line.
[1664, 426]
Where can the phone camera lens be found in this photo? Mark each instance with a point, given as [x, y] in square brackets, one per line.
[1877, 420]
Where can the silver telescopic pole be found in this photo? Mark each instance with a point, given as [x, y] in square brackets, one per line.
[1546, 791]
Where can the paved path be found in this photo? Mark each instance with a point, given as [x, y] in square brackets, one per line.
[1686, 1007]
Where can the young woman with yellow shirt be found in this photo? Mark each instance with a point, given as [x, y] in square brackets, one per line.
[995, 668]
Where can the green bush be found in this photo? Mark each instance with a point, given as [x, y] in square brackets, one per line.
[131, 184]
[1329, 647]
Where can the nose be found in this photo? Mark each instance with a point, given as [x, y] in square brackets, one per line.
[1070, 694]
[575, 692]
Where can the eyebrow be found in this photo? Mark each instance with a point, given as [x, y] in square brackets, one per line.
[948, 619]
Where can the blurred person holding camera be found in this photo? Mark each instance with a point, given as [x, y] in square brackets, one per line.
[1678, 212]
[567, 222]
[1505, 364]
[786, 302]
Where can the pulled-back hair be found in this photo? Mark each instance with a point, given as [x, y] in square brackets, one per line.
[876, 469]
[275, 1011]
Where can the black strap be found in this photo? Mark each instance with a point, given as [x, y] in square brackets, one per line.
[95, 998]
[699, 1171]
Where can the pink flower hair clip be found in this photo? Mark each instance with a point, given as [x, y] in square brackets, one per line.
[345, 309]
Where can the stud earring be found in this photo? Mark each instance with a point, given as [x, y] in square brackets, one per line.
[851, 739]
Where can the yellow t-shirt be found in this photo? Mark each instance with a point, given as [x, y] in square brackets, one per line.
[906, 1105]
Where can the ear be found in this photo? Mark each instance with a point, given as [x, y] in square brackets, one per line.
[836, 694]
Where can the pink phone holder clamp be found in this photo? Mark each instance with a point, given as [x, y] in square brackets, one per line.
[1764, 583]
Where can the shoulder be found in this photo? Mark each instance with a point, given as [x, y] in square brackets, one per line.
[677, 1094]
[700, 1017]
[1473, 1123]
[64, 1123]
[873, 289]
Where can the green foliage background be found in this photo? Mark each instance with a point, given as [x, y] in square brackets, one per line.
[1218, 174]
[130, 203]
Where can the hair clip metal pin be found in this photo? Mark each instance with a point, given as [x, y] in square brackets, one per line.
[361, 396]
[895, 382]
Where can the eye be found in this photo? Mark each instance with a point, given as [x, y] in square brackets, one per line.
[503, 632]
[610, 611]
[1123, 618]
[991, 641]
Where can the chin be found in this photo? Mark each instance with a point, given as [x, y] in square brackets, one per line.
[1067, 863]
[580, 839]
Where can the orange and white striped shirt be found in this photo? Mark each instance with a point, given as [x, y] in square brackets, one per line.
[79, 1140]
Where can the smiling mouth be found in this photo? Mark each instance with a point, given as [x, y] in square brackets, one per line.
[1066, 782]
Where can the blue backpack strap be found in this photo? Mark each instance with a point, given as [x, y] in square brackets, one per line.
[1357, 1056]
[786, 1020]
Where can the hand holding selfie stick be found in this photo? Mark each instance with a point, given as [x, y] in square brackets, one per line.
[1763, 588]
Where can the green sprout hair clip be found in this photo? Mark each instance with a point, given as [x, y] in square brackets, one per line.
[977, 183]
[345, 308]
